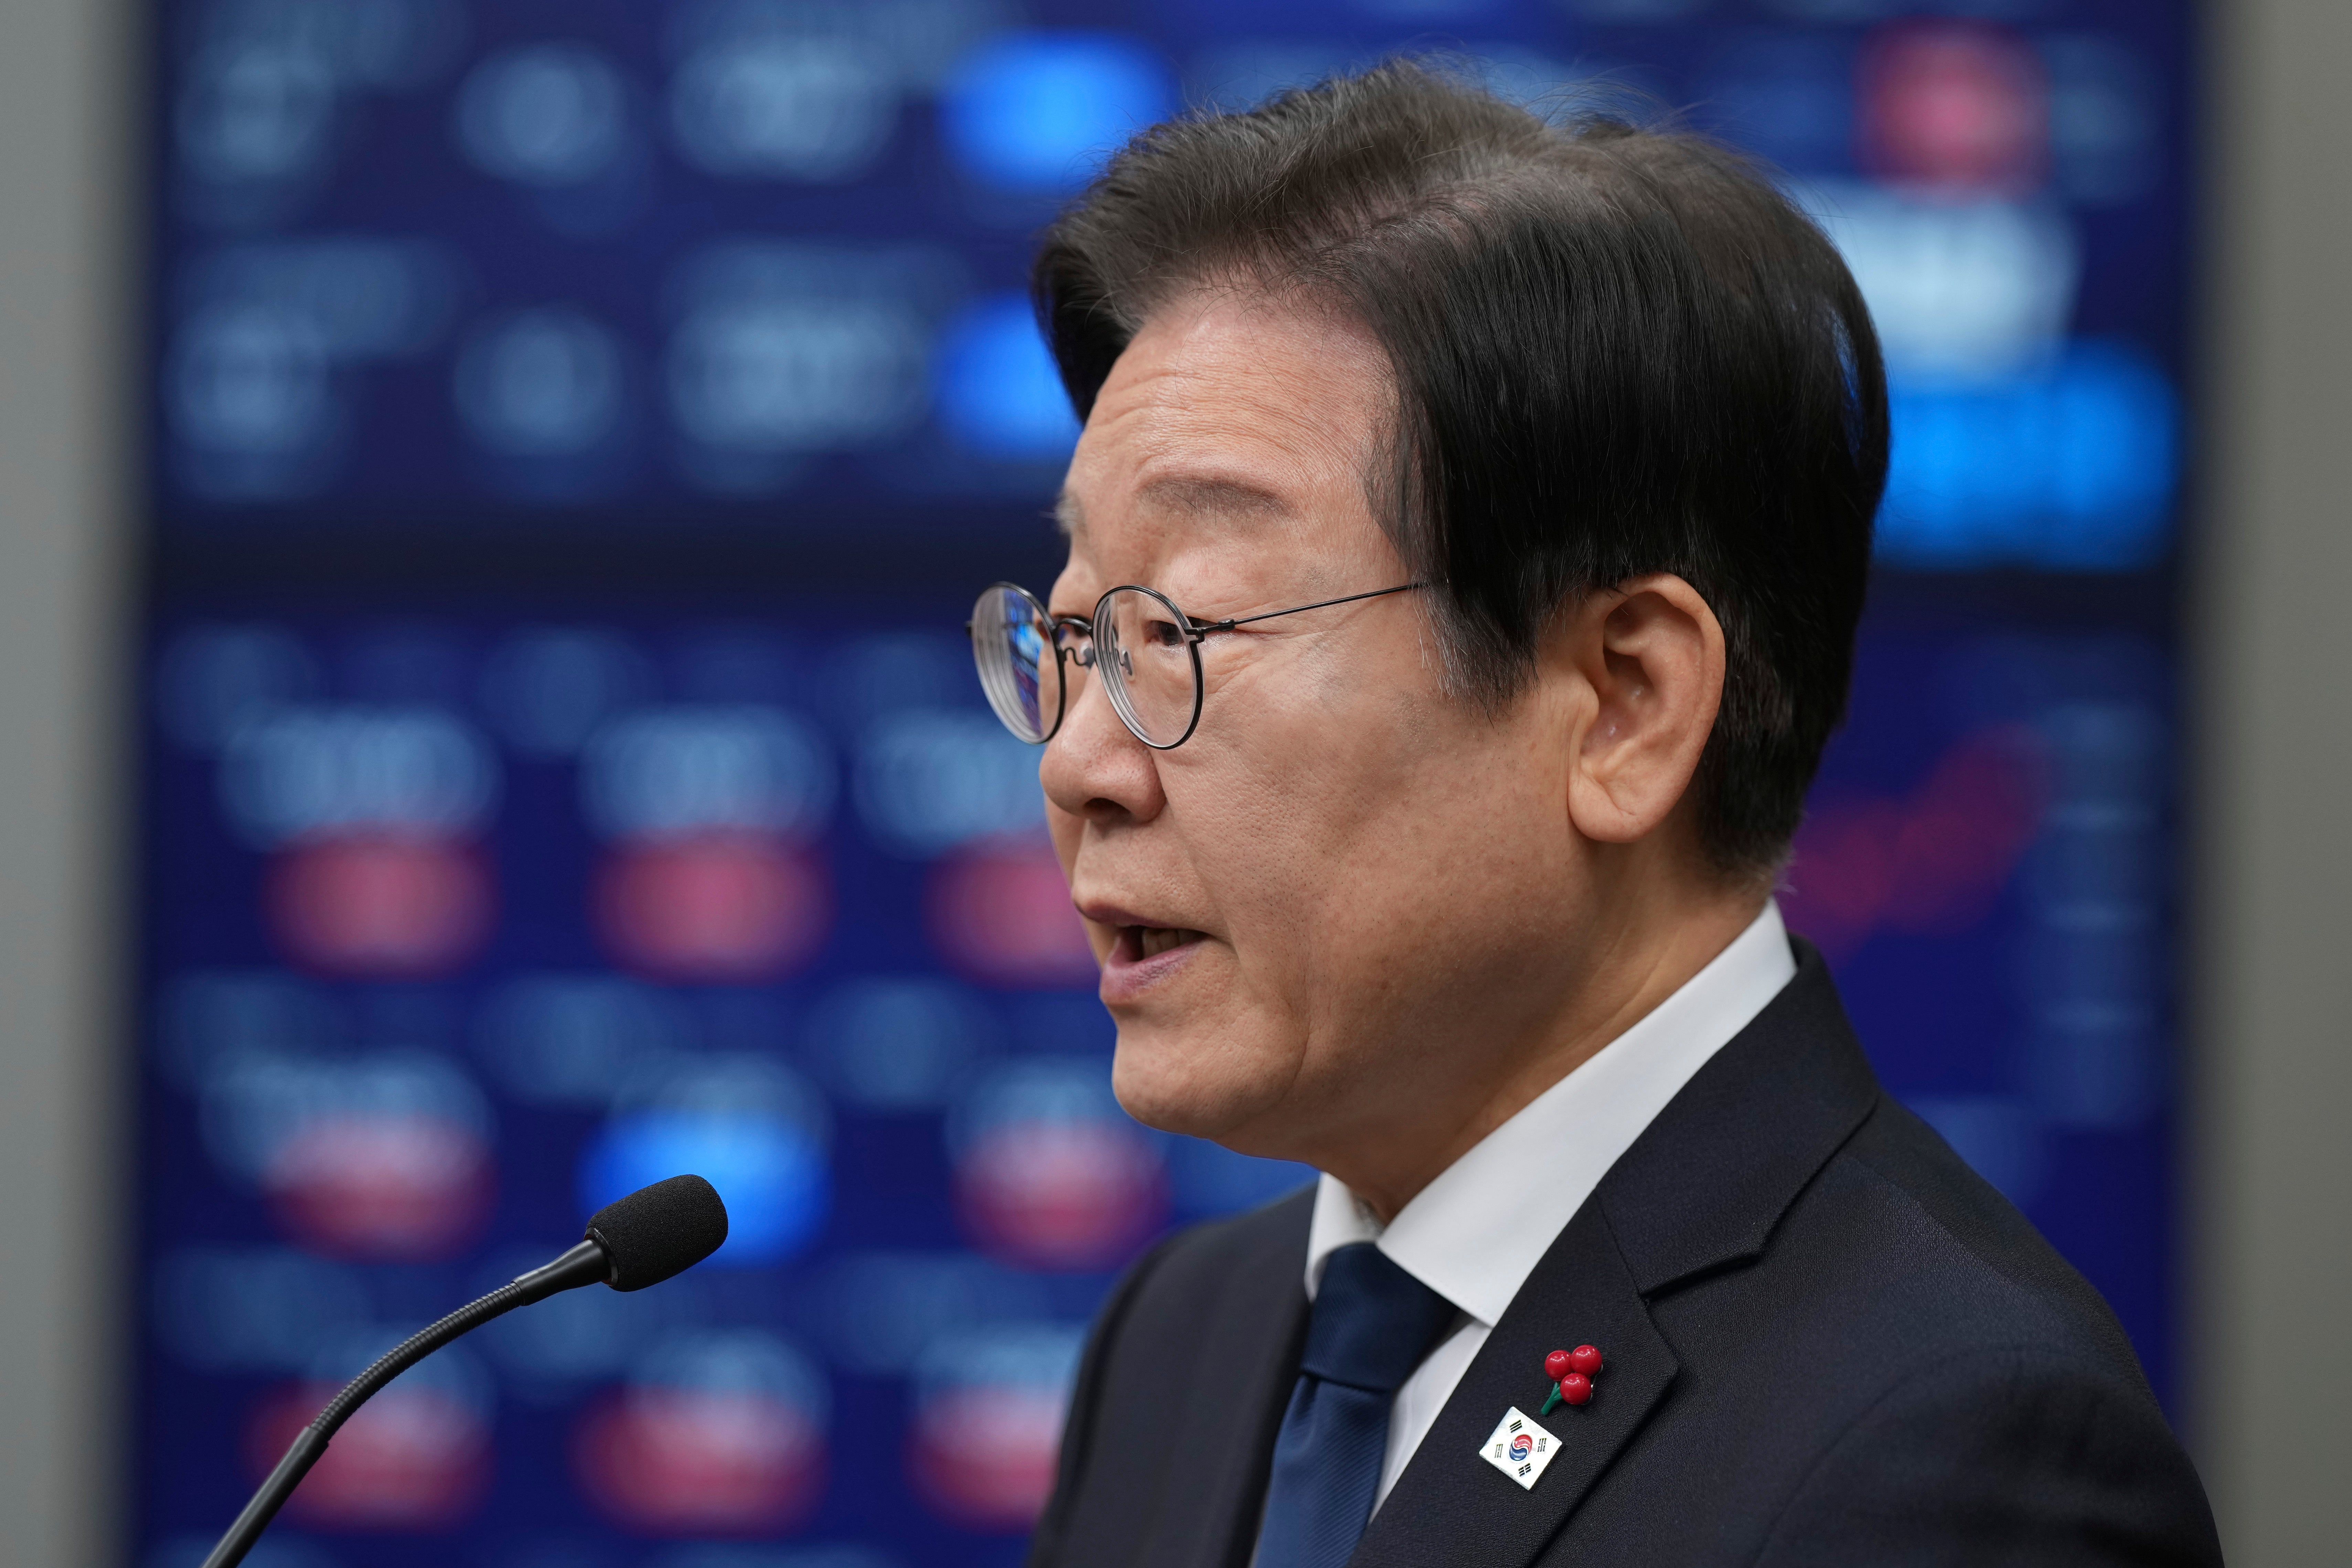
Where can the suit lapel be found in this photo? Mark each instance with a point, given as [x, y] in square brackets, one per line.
[1700, 1190]
[1450, 1505]
[1220, 1454]
[1233, 1491]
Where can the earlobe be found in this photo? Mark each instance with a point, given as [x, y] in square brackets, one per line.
[1651, 654]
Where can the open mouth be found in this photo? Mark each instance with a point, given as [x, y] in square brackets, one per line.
[1137, 943]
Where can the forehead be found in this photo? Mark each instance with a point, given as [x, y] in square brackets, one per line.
[1230, 411]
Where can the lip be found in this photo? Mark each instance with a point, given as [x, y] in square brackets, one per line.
[1125, 978]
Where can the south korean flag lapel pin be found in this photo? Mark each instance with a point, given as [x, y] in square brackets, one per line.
[1520, 1448]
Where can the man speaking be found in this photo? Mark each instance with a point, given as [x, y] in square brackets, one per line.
[1465, 545]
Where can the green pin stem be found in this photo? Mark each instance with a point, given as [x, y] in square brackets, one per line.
[1550, 1401]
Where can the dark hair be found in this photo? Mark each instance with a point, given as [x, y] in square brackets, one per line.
[1617, 351]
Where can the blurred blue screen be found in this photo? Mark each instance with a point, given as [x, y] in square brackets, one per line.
[578, 433]
[762, 260]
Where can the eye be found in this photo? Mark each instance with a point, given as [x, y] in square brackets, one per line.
[1163, 634]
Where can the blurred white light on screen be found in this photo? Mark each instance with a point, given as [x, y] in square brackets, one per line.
[363, 298]
[1961, 289]
[384, 44]
[375, 44]
[256, 112]
[305, 772]
[255, 1105]
[804, 109]
[549, 115]
[779, 376]
[671, 772]
[546, 383]
[251, 380]
[929, 780]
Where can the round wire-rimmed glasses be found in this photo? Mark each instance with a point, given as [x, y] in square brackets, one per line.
[1147, 650]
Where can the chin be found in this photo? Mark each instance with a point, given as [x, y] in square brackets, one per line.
[1199, 1079]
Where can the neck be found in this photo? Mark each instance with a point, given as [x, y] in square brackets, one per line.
[1621, 976]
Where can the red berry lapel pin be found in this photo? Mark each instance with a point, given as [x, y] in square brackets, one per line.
[1570, 1373]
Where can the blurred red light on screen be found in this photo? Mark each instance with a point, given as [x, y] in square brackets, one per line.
[390, 1187]
[984, 1455]
[1956, 105]
[1062, 1195]
[381, 907]
[693, 1462]
[413, 1458]
[1000, 913]
[1933, 863]
[725, 906]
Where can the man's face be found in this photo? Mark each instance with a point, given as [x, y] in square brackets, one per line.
[1322, 913]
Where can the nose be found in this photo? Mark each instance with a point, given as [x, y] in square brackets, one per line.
[1094, 768]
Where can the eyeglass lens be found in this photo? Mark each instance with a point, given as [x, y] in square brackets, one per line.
[1013, 642]
[1148, 665]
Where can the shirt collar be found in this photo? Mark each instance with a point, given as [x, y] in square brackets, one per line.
[1476, 1232]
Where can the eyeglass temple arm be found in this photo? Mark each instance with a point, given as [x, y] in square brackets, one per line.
[1226, 625]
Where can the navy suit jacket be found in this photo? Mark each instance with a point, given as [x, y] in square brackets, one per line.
[1828, 1341]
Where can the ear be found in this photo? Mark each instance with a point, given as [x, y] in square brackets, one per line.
[1648, 656]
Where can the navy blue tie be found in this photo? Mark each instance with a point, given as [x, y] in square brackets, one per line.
[1371, 1325]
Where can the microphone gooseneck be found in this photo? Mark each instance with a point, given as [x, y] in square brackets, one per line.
[632, 1242]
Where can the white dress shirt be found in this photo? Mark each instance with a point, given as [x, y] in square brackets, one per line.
[1476, 1232]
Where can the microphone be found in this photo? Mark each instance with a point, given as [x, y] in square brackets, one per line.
[632, 1242]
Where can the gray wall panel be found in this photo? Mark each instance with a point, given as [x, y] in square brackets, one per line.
[2273, 1413]
[66, 79]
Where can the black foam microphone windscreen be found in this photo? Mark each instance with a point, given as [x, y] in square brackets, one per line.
[658, 1231]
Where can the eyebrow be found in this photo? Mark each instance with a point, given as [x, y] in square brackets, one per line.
[1192, 495]
[1196, 495]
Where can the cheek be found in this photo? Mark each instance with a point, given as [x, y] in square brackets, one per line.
[1365, 866]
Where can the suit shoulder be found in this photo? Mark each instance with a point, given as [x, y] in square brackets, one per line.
[2025, 1454]
[1214, 1255]
[1977, 1268]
